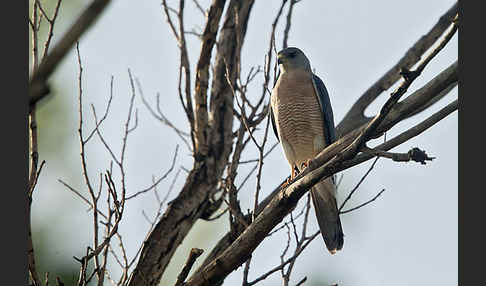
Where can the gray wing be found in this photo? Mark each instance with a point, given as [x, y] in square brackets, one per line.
[325, 104]
[272, 117]
[273, 123]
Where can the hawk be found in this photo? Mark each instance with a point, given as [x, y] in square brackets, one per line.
[303, 122]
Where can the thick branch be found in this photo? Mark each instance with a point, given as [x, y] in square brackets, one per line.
[221, 101]
[37, 84]
[202, 180]
[407, 107]
[355, 116]
[284, 201]
[202, 76]
[240, 250]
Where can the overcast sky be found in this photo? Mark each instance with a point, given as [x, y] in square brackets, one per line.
[409, 235]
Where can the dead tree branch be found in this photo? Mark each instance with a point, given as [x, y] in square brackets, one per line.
[415, 154]
[348, 197]
[404, 109]
[202, 180]
[38, 14]
[288, 22]
[210, 110]
[363, 204]
[38, 87]
[244, 245]
[193, 255]
[355, 116]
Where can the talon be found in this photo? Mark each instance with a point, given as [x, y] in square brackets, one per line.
[306, 164]
[294, 174]
[286, 183]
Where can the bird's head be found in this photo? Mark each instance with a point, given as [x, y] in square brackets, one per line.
[292, 58]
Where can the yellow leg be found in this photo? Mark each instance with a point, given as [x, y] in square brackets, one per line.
[306, 164]
[293, 174]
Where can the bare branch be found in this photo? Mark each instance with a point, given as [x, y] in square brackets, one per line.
[202, 76]
[357, 185]
[33, 152]
[363, 204]
[355, 116]
[200, 8]
[301, 282]
[240, 249]
[31, 190]
[181, 214]
[161, 117]
[37, 84]
[169, 19]
[151, 187]
[408, 134]
[246, 270]
[227, 239]
[414, 154]
[281, 266]
[76, 192]
[98, 124]
[193, 255]
[288, 22]
[51, 21]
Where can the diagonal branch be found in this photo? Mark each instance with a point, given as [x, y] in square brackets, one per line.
[193, 255]
[363, 204]
[355, 116]
[407, 108]
[278, 208]
[37, 84]
[240, 250]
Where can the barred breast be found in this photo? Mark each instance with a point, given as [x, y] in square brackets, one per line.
[298, 116]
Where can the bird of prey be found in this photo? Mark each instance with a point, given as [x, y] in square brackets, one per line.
[303, 122]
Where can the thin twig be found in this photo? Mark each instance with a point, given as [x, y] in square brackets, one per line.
[282, 265]
[301, 282]
[415, 154]
[76, 192]
[363, 204]
[160, 179]
[288, 22]
[51, 21]
[161, 117]
[107, 109]
[357, 185]
[199, 7]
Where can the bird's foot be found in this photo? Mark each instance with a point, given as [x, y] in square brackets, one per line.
[294, 174]
[286, 183]
[306, 164]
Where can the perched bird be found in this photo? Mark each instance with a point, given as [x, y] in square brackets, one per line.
[302, 120]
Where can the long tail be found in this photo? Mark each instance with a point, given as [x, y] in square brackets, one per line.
[324, 201]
